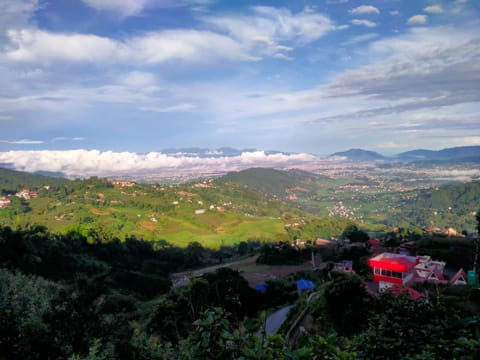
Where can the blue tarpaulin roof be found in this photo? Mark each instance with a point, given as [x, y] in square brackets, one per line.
[304, 285]
[261, 287]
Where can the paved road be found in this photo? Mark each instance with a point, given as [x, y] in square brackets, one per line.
[276, 320]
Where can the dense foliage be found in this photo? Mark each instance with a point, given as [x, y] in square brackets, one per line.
[77, 297]
[282, 253]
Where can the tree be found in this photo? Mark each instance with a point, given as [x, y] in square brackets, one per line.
[354, 234]
[279, 254]
[345, 303]
[194, 253]
[402, 328]
[243, 248]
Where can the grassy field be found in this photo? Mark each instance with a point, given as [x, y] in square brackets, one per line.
[250, 270]
[222, 212]
[213, 216]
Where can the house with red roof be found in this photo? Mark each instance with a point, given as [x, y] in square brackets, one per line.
[429, 270]
[392, 269]
[434, 275]
[460, 278]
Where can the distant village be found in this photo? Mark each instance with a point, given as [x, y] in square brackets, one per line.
[25, 194]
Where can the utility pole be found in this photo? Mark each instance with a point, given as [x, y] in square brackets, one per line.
[313, 259]
[476, 254]
[477, 216]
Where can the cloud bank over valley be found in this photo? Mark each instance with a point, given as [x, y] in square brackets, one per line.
[85, 163]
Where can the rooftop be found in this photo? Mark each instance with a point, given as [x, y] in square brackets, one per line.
[394, 262]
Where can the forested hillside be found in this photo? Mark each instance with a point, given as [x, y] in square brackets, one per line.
[377, 203]
[214, 212]
[273, 182]
[12, 181]
[68, 297]
[260, 204]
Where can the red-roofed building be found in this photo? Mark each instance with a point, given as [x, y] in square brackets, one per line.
[398, 269]
[392, 269]
[460, 278]
[436, 276]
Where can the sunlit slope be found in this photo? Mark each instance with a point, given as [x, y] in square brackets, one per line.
[213, 213]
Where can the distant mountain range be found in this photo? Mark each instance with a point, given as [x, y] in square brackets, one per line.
[184, 164]
[444, 154]
[359, 155]
[214, 153]
[458, 154]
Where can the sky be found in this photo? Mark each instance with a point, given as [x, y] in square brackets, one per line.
[305, 76]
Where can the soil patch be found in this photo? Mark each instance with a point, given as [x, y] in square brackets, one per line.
[255, 274]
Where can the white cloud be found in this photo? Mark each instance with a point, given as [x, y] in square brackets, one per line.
[471, 140]
[128, 7]
[39, 46]
[433, 9]
[186, 45]
[283, 48]
[454, 174]
[273, 25]
[152, 48]
[65, 138]
[361, 38]
[239, 38]
[283, 56]
[125, 8]
[173, 108]
[84, 163]
[364, 9]
[417, 20]
[426, 71]
[23, 142]
[16, 14]
[366, 23]
[394, 12]
[139, 79]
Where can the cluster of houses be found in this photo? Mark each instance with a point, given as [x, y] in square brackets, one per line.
[397, 272]
[121, 183]
[25, 194]
[5, 202]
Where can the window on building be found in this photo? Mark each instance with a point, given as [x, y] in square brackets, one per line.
[386, 273]
[397, 275]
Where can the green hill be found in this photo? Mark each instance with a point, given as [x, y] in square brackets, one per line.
[260, 204]
[12, 181]
[359, 155]
[276, 182]
[213, 213]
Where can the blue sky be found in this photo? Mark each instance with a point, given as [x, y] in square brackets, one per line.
[302, 76]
